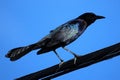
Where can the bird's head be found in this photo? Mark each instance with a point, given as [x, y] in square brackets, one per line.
[90, 17]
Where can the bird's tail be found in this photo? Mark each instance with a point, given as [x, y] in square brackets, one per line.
[17, 53]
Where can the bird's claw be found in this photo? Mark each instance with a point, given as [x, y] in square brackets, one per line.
[60, 65]
[75, 59]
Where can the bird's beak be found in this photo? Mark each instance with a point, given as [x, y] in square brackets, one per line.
[99, 17]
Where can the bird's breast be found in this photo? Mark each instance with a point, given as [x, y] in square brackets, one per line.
[74, 31]
[71, 32]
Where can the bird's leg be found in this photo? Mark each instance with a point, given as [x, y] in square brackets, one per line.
[59, 58]
[75, 55]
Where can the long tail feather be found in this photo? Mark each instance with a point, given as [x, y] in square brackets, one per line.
[17, 53]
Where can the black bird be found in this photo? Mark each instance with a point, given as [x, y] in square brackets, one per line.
[59, 37]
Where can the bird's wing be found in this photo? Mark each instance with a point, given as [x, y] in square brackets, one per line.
[66, 33]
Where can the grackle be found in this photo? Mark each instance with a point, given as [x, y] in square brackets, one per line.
[59, 37]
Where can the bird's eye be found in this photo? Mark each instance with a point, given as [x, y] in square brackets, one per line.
[91, 18]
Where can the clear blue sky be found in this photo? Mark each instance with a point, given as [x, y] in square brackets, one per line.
[24, 22]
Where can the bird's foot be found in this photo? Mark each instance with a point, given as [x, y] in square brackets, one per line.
[75, 59]
[60, 64]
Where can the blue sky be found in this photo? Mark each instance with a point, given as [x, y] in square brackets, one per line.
[24, 22]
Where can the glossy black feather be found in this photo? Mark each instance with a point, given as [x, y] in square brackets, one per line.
[64, 35]
[59, 37]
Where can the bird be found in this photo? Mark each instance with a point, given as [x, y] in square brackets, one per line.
[61, 36]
